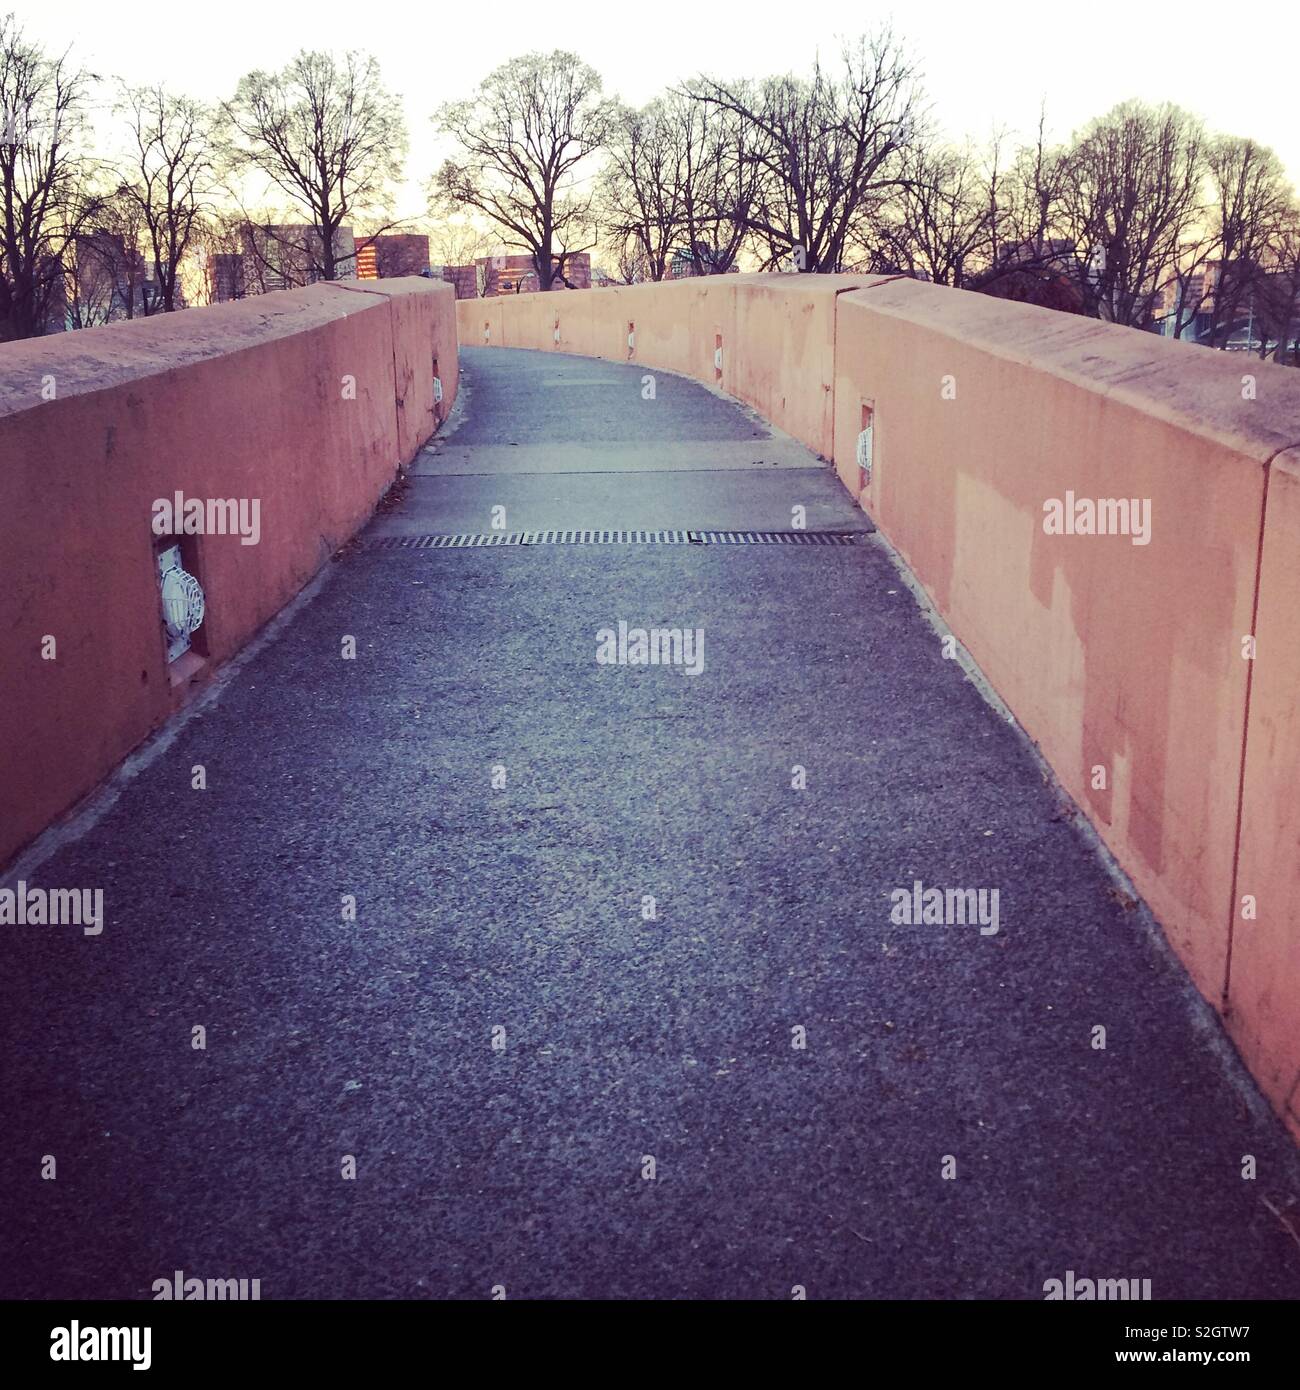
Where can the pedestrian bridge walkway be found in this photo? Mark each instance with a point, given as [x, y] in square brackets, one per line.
[521, 962]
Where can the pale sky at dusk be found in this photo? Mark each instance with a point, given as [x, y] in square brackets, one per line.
[984, 66]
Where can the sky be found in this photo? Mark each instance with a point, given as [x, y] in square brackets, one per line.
[985, 67]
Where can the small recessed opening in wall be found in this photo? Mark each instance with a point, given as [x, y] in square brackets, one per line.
[717, 356]
[437, 390]
[555, 332]
[866, 442]
[182, 608]
[631, 337]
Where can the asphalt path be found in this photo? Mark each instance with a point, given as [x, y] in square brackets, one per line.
[546, 1081]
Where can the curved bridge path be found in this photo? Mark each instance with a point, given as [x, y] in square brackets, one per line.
[510, 1039]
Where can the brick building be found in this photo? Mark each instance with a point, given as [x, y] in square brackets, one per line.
[463, 278]
[388, 256]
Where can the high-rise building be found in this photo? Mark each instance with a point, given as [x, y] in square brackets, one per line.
[277, 256]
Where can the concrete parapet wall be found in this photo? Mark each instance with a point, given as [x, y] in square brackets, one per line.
[1127, 663]
[425, 346]
[307, 401]
[1264, 970]
[1122, 660]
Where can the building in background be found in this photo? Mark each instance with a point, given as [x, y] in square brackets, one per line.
[490, 276]
[104, 280]
[390, 255]
[225, 276]
[276, 256]
[508, 275]
[462, 278]
[1260, 312]
[681, 264]
[1184, 307]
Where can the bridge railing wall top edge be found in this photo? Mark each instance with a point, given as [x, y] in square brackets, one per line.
[94, 359]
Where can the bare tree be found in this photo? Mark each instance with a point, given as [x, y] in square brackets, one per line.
[526, 141]
[1133, 200]
[1250, 204]
[1279, 299]
[678, 188]
[1027, 200]
[721, 180]
[327, 133]
[631, 265]
[43, 173]
[825, 145]
[641, 188]
[1027, 256]
[457, 243]
[936, 227]
[460, 243]
[171, 176]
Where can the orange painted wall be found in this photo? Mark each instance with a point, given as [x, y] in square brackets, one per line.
[677, 327]
[241, 400]
[424, 337]
[1113, 656]
[478, 322]
[423, 331]
[791, 381]
[678, 323]
[1264, 979]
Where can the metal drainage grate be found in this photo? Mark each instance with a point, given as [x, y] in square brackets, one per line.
[615, 538]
